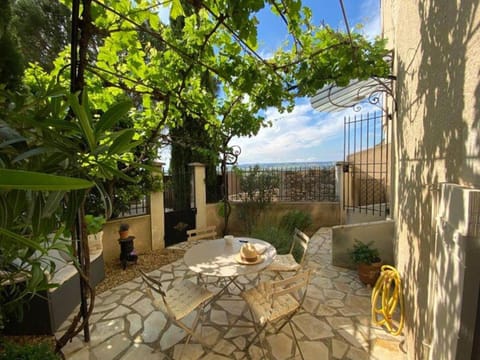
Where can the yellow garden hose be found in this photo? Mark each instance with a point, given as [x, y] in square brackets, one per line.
[387, 298]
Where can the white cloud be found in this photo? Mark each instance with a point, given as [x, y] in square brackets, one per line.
[370, 18]
[299, 136]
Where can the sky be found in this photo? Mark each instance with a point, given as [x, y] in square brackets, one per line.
[304, 135]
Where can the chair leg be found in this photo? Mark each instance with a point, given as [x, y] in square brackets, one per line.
[296, 340]
[257, 331]
[191, 331]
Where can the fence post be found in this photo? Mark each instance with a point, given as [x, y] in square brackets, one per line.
[157, 214]
[199, 194]
[339, 188]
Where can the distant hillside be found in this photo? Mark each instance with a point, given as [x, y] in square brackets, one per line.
[289, 165]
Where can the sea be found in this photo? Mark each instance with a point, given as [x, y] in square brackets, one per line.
[289, 165]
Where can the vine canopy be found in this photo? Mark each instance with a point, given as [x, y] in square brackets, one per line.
[131, 49]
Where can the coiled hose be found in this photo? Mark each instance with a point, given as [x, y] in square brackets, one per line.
[387, 298]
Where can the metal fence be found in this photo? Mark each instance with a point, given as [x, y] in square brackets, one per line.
[140, 207]
[366, 154]
[283, 184]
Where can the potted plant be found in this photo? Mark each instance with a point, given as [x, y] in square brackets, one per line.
[94, 226]
[368, 261]
[127, 249]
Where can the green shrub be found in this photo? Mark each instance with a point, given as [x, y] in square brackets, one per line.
[42, 351]
[296, 219]
[258, 191]
[364, 253]
[94, 223]
[274, 235]
[279, 238]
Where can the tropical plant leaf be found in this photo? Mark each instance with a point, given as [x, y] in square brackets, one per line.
[12, 141]
[16, 239]
[123, 142]
[29, 153]
[31, 180]
[112, 116]
[84, 121]
[52, 203]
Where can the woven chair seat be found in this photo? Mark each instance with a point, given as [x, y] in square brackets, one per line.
[259, 302]
[284, 263]
[184, 298]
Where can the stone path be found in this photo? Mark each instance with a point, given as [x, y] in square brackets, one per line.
[335, 323]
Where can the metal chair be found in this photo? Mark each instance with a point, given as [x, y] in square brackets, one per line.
[275, 303]
[178, 302]
[287, 262]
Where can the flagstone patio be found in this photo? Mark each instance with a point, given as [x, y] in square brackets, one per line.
[335, 324]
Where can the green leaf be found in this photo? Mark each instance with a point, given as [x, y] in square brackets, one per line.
[31, 180]
[12, 141]
[20, 240]
[84, 121]
[57, 91]
[52, 203]
[29, 153]
[37, 275]
[122, 143]
[117, 173]
[177, 9]
[112, 116]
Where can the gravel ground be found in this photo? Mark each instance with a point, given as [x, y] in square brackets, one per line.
[149, 261]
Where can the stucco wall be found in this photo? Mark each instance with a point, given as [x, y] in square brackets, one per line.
[435, 134]
[323, 214]
[370, 165]
[139, 227]
[380, 233]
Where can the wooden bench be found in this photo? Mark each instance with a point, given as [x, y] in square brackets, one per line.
[208, 232]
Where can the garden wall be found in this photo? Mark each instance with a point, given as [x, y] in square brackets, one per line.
[344, 236]
[140, 227]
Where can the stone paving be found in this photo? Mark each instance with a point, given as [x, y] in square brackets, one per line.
[335, 323]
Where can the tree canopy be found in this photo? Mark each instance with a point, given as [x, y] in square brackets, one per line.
[42, 28]
[133, 51]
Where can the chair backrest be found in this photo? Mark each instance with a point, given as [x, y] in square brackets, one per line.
[208, 232]
[301, 240]
[295, 285]
[156, 286]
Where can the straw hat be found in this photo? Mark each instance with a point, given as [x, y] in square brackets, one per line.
[248, 255]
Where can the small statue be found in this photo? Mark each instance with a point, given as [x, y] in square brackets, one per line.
[127, 249]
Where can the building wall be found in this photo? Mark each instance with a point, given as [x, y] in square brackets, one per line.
[435, 134]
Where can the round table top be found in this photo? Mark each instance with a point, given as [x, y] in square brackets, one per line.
[216, 258]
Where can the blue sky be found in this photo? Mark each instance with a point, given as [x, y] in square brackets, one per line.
[303, 135]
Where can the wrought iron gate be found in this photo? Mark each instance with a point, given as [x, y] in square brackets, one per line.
[366, 186]
[179, 208]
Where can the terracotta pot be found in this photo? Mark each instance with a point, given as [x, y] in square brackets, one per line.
[369, 274]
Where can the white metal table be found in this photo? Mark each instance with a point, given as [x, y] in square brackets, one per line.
[216, 258]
